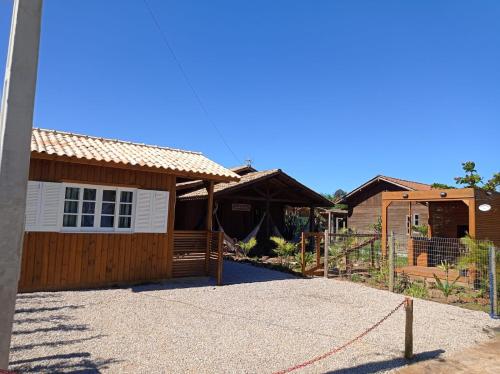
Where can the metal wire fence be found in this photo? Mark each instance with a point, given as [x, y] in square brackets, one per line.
[459, 271]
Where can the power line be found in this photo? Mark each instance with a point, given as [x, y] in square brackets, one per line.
[188, 81]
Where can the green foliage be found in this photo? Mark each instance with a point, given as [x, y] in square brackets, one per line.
[284, 249]
[423, 230]
[247, 247]
[493, 183]
[471, 177]
[417, 289]
[377, 226]
[308, 258]
[294, 224]
[442, 186]
[356, 278]
[445, 287]
[476, 259]
[337, 195]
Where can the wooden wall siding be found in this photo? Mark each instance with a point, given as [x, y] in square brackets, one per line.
[488, 223]
[63, 261]
[398, 211]
[365, 209]
[58, 261]
[446, 216]
[58, 171]
[189, 255]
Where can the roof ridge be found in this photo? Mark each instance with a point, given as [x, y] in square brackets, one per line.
[403, 180]
[117, 140]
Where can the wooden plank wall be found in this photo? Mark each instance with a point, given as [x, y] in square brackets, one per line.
[57, 261]
[189, 257]
[488, 223]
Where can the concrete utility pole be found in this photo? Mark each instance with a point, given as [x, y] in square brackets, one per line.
[16, 121]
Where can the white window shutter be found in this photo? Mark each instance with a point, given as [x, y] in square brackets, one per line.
[159, 212]
[143, 208]
[50, 206]
[33, 195]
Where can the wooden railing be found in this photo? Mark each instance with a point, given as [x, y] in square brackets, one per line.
[311, 240]
[198, 253]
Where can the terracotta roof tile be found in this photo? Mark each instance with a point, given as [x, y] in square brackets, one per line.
[409, 184]
[61, 143]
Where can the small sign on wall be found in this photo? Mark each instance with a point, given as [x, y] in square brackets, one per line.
[242, 207]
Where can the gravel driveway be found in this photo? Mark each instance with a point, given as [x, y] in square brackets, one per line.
[261, 321]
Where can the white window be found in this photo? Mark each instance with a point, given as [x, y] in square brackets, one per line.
[89, 208]
[408, 225]
[93, 208]
[416, 219]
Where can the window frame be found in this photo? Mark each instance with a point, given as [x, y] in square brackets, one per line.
[98, 209]
[416, 219]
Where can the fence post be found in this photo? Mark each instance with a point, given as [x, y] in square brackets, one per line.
[409, 328]
[327, 246]
[302, 252]
[493, 283]
[392, 242]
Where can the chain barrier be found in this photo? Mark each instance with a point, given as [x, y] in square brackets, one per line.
[345, 345]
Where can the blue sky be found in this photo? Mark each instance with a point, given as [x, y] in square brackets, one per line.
[332, 92]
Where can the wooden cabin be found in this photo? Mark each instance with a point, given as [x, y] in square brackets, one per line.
[365, 206]
[258, 200]
[101, 212]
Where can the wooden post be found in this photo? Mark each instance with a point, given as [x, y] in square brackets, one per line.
[392, 242]
[220, 257]
[493, 283]
[303, 252]
[372, 254]
[172, 198]
[311, 219]
[317, 244]
[327, 247]
[210, 206]
[385, 207]
[409, 328]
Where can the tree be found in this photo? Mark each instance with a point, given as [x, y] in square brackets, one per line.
[471, 178]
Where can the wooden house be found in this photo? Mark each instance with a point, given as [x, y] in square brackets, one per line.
[101, 212]
[365, 206]
[256, 203]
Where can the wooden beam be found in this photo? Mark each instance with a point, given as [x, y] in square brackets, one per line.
[472, 217]
[430, 195]
[209, 222]
[171, 226]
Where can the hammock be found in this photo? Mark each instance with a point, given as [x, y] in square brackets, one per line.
[232, 243]
[255, 231]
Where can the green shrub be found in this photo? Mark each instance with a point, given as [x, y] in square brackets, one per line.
[309, 258]
[356, 278]
[417, 289]
[247, 247]
[284, 249]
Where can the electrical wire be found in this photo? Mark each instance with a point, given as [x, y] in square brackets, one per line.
[188, 81]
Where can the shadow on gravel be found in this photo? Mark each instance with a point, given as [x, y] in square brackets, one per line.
[42, 333]
[379, 366]
[233, 273]
[72, 362]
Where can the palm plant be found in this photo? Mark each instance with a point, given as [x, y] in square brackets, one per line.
[284, 249]
[446, 288]
[247, 247]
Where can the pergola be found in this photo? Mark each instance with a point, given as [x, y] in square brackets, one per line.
[482, 223]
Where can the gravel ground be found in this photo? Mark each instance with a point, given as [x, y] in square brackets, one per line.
[262, 321]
